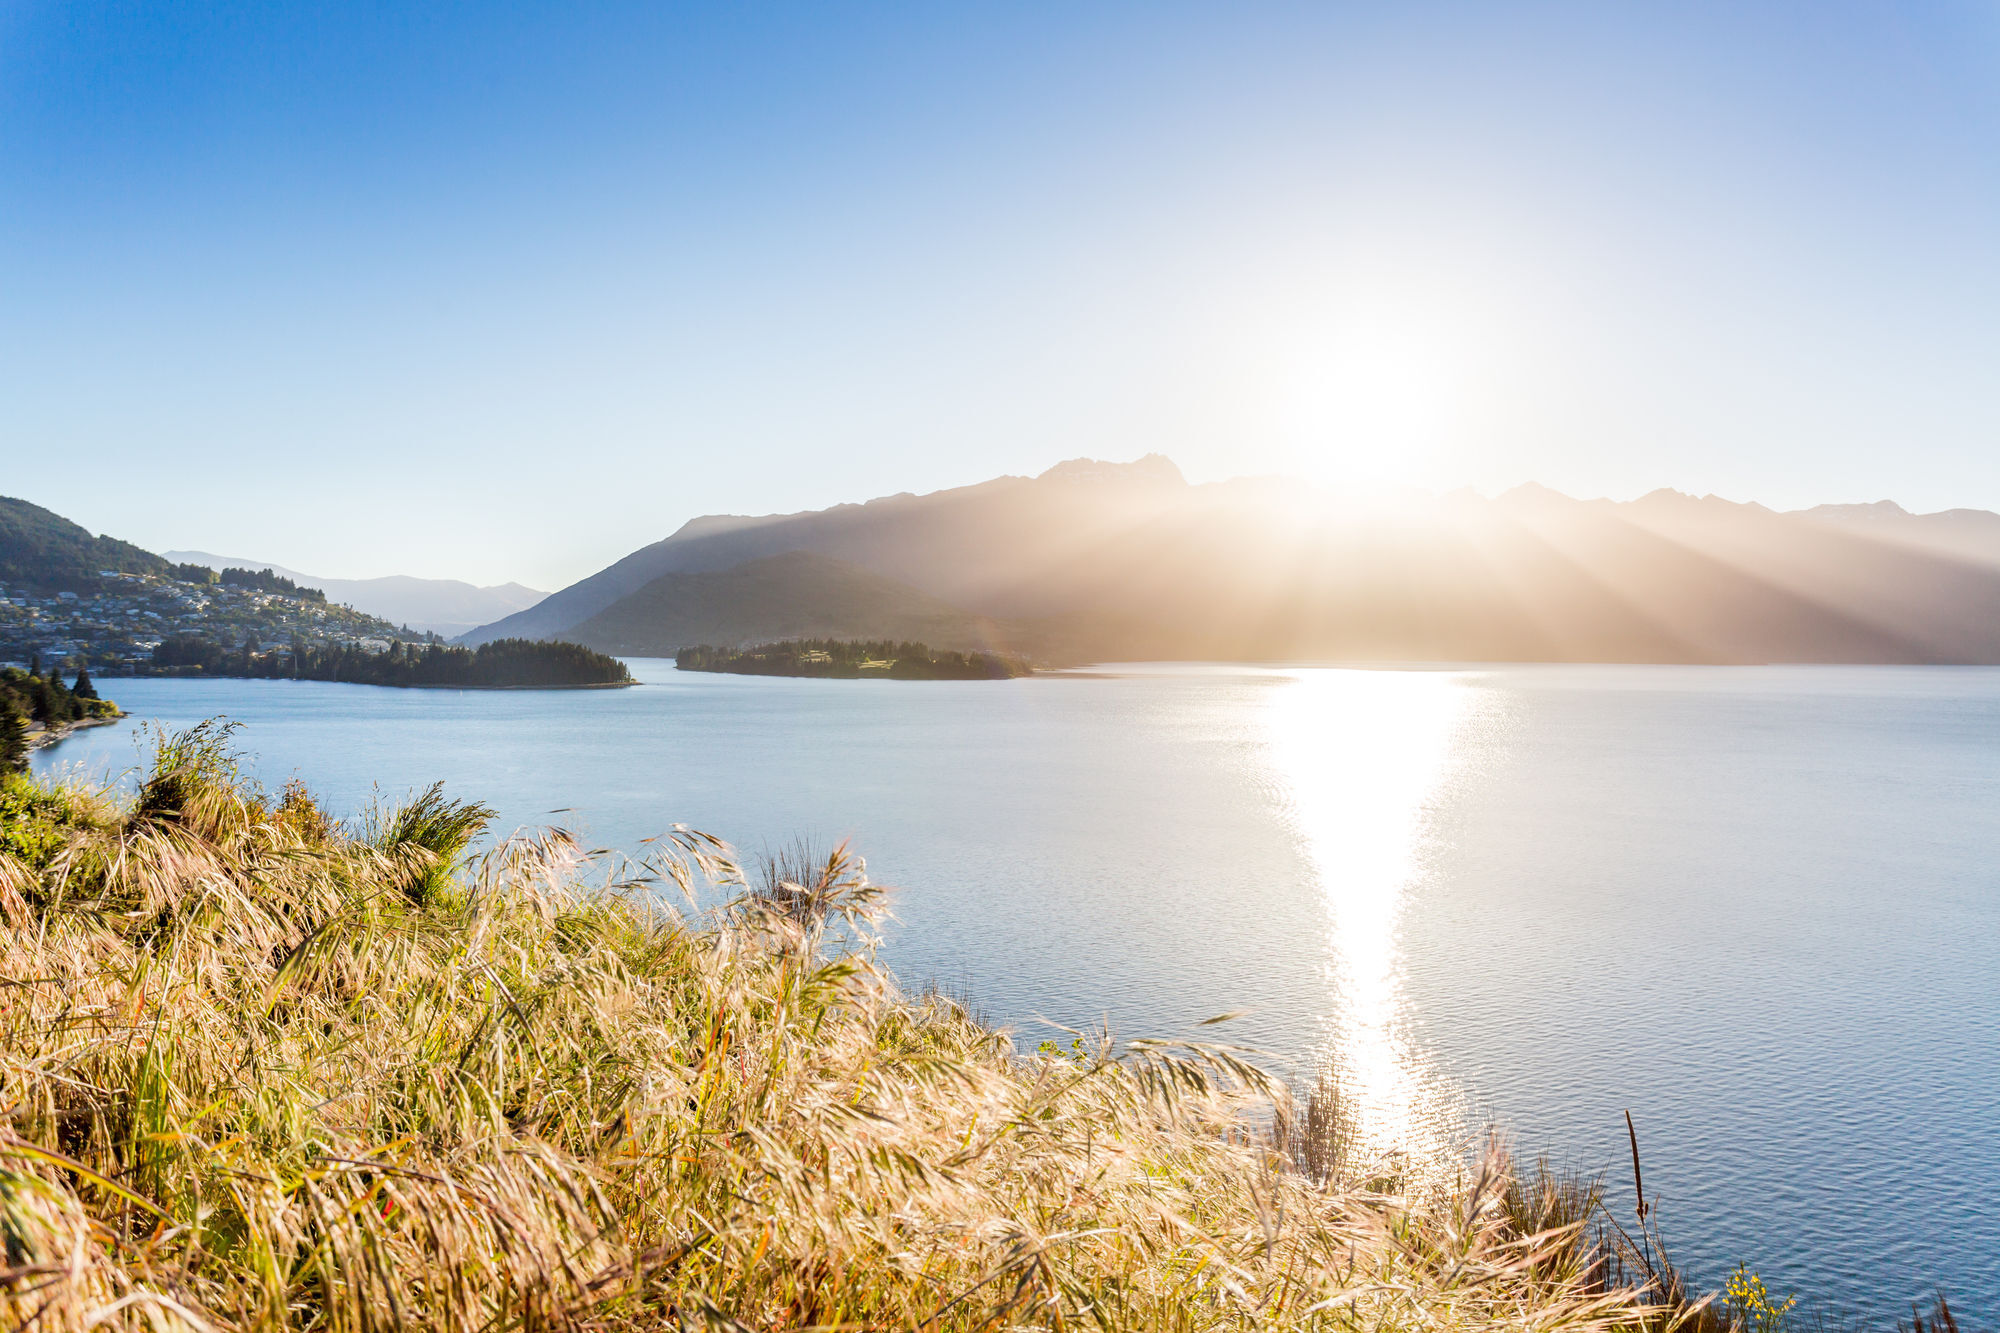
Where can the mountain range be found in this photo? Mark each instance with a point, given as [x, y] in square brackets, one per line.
[442, 606]
[1107, 561]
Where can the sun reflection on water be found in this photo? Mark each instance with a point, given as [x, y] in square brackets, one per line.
[1362, 756]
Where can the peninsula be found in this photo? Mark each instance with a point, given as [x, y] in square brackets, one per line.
[504, 664]
[847, 660]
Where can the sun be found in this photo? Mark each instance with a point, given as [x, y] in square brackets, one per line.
[1389, 377]
[1375, 399]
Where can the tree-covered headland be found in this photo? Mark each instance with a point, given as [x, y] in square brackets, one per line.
[33, 700]
[845, 660]
[501, 664]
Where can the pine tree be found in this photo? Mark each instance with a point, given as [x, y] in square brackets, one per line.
[35, 664]
[59, 705]
[83, 689]
[13, 738]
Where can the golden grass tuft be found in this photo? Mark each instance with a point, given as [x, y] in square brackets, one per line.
[261, 1071]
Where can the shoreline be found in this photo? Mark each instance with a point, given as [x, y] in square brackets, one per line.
[861, 675]
[47, 736]
[374, 685]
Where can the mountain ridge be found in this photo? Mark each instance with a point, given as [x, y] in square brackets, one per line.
[1130, 559]
[717, 542]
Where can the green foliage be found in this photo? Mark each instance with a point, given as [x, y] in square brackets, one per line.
[25, 696]
[1074, 1053]
[850, 660]
[428, 838]
[13, 736]
[53, 703]
[35, 821]
[263, 580]
[192, 772]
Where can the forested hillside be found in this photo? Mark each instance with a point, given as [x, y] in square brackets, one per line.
[45, 552]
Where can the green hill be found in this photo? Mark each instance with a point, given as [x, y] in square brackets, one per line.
[41, 551]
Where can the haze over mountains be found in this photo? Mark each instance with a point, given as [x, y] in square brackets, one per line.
[1102, 561]
[442, 606]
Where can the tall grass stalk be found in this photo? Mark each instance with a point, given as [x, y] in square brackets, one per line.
[259, 1071]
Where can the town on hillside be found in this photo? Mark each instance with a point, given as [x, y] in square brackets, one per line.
[117, 625]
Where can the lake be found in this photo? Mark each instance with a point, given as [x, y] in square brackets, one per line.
[1757, 907]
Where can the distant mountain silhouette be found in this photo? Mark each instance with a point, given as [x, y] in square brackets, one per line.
[443, 606]
[798, 595]
[986, 534]
[803, 595]
[1107, 561]
[1963, 534]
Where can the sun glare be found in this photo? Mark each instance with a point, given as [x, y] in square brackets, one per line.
[1371, 408]
[1361, 755]
[1392, 377]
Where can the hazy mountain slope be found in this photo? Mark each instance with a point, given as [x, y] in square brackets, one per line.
[1962, 534]
[1940, 607]
[45, 551]
[444, 606]
[1480, 584]
[970, 545]
[796, 595]
[585, 598]
[1103, 561]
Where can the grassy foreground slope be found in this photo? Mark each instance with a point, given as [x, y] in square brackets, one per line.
[261, 1071]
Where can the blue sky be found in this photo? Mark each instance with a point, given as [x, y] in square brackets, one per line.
[502, 292]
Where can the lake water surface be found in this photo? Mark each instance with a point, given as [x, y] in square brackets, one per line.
[1755, 906]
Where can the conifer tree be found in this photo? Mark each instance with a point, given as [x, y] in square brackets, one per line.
[83, 688]
[61, 706]
[13, 737]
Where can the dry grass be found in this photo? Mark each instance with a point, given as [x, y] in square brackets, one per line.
[261, 1071]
